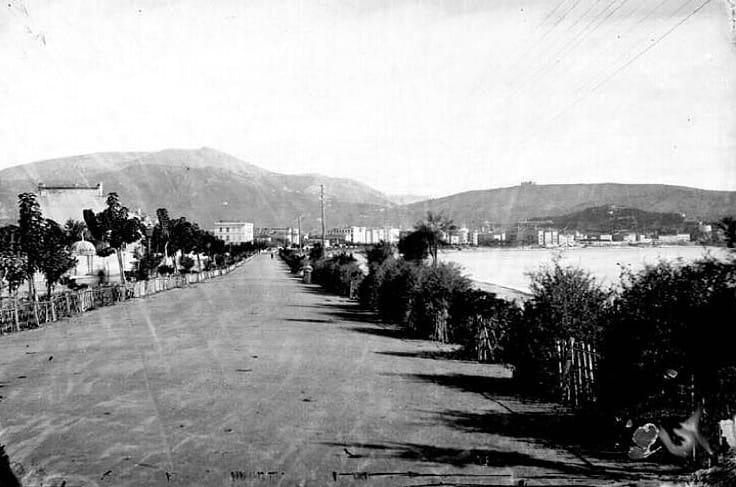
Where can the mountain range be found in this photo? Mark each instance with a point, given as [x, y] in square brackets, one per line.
[207, 185]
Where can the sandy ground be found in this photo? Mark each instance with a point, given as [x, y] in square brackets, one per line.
[256, 379]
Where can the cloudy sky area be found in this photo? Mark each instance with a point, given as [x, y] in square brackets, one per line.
[409, 96]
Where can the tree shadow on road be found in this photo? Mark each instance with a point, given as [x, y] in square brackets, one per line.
[389, 332]
[514, 414]
[486, 457]
[429, 354]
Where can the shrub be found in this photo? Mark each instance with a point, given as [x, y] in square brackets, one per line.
[380, 257]
[395, 292]
[671, 338]
[147, 264]
[482, 324]
[293, 259]
[435, 291]
[186, 263]
[339, 274]
[566, 302]
[165, 269]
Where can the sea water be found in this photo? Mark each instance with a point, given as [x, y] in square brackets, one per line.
[509, 268]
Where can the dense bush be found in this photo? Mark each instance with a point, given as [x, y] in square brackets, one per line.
[436, 288]
[566, 302]
[339, 274]
[483, 324]
[379, 257]
[436, 302]
[186, 263]
[293, 259]
[670, 339]
[396, 290]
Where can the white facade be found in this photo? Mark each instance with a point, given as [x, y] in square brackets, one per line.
[548, 238]
[234, 231]
[62, 203]
[679, 238]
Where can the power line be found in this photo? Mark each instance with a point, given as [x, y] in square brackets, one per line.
[572, 48]
[521, 57]
[650, 46]
[623, 66]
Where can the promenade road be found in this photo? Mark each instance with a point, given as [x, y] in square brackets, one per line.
[257, 379]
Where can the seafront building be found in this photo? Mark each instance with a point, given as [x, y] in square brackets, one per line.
[235, 232]
[355, 235]
[285, 235]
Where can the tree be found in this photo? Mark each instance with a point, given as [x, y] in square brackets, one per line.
[12, 270]
[416, 245]
[74, 231]
[426, 238]
[378, 253]
[56, 259]
[118, 228]
[10, 238]
[567, 302]
[31, 232]
[728, 225]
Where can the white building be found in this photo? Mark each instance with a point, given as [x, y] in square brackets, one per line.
[548, 238]
[234, 231]
[62, 203]
[462, 235]
[674, 239]
[393, 235]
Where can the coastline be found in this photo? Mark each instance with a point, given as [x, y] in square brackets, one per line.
[503, 292]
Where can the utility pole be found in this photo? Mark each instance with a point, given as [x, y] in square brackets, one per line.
[299, 232]
[322, 202]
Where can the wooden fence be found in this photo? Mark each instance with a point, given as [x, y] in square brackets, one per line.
[577, 365]
[17, 315]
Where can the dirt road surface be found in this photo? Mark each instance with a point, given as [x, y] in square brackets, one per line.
[257, 379]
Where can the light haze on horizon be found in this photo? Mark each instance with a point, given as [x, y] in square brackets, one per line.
[423, 97]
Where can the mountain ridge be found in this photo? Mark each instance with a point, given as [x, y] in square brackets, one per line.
[205, 185]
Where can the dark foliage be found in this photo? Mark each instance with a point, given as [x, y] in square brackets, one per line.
[670, 340]
[339, 274]
[566, 302]
[435, 291]
[416, 245]
[476, 313]
[613, 218]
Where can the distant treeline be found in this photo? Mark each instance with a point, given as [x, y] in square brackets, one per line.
[611, 219]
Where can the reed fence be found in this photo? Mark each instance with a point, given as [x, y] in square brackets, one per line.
[577, 365]
[24, 314]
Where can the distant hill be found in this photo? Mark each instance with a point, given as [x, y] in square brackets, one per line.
[203, 184]
[614, 218]
[406, 199]
[518, 203]
[207, 185]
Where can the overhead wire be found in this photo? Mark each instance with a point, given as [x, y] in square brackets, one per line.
[654, 42]
[604, 50]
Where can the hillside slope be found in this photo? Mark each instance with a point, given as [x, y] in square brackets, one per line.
[518, 203]
[203, 184]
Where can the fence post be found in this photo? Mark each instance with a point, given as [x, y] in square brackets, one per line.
[15, 314]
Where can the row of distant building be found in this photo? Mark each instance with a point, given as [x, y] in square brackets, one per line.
[61, 203]
[237, 232]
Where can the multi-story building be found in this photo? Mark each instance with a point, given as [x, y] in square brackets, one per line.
[353, 235]
[287, 235]
[234, 231]
[548, 238]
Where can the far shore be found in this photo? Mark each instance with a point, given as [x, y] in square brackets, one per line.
[503, 292]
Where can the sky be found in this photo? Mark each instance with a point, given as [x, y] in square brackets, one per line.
[426, 97]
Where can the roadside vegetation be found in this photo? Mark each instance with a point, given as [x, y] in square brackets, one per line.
[662, 339]
[40, 246]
